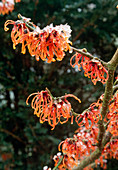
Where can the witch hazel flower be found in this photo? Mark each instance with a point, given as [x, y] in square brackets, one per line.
[67, 163]
[48, 44]
[111, 149]
[76, 148]
[91, 115]
[112, 115]
[53, 42]
[54, 110]
[92, 68]
[7, 6]
[78, 59]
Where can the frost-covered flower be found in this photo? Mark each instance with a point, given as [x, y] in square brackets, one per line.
[7, 6]
[48, 44]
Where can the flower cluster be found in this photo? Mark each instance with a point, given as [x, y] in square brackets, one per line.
[48, 43]
[52, 109]
[92, 68]
[85, 141]
[7, 6]
[78, 147]
[113, 125]
[91, 115]
[111, 149]
[78, 60]
[102, 162]
[112, 115]
[68, 162]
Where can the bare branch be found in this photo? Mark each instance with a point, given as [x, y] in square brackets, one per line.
[13, 135]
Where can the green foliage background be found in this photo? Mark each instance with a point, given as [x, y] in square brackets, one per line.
[94, 25]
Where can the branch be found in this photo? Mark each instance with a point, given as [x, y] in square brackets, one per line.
[106, 138]
[14, 136]
[102, 137]
[104, 109]
[83, 29]
[35, 136]
[95, 155]
[83, 51]
[107, 96]
[88, 160]
[112, 64]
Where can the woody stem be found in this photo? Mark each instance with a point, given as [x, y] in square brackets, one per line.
[112, 64]
[102, 139]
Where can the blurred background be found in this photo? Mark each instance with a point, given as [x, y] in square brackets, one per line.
[24, 142]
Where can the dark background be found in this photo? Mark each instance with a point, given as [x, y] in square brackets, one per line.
[25, 144]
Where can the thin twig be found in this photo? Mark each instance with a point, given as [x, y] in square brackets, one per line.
[13, 135]
[35, 136]
[87, 54]
[28, 24]
[60, 160]
[115, 87]
[116, 82]
[49, 92]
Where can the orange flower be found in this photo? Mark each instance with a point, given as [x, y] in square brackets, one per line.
[19, 33]
[77, 148]
[56, 159]
[113, 107]
[66, 163]
[49, 44]
[113, 125]
[96, 71]
[50, 109]
[79, 59]
[90, 116]
[17, 1]
[7, 6]
[41, 103]
[112, 115]
[111, 149]
[92, 68]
